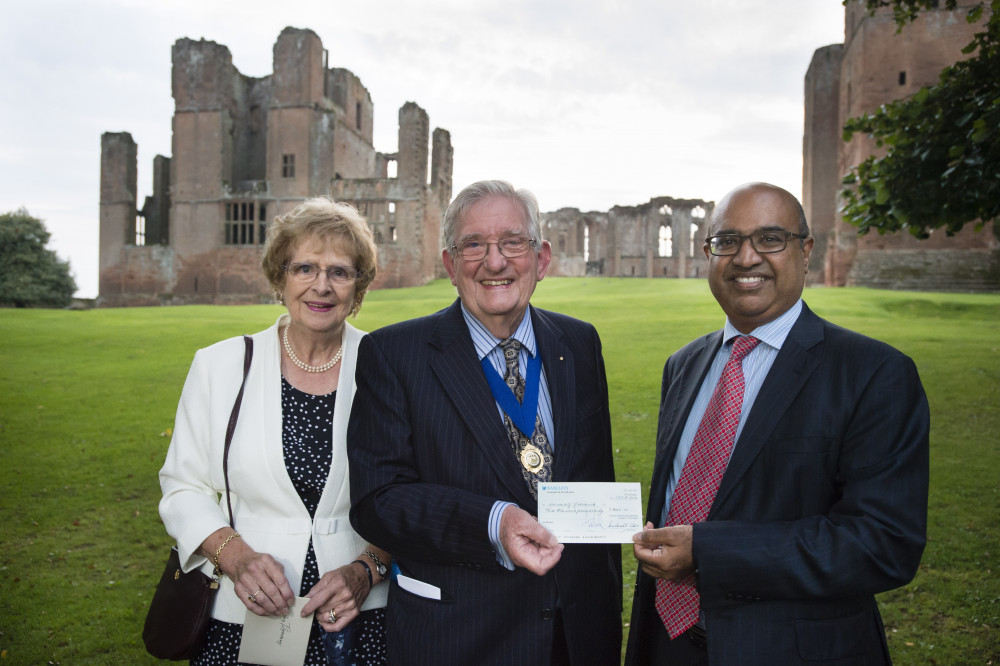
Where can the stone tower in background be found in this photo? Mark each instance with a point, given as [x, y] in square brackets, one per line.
[248, 149]
[873, 66]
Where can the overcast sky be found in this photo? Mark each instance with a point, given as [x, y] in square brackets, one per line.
[589, 103]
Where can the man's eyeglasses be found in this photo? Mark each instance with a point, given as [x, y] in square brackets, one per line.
[763, 242]
[307, 273]
[475, 248]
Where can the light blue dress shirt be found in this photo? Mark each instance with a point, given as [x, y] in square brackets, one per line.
[488, 345]
[756, 365]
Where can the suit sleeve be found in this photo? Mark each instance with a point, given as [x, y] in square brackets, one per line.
[870, 537]
[393, 505]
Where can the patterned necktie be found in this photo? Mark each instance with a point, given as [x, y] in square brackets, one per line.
[535, 453]
[677, 602]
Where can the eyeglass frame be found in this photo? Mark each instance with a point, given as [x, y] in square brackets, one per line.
[532, 243]
[745, 237]
[353, 274]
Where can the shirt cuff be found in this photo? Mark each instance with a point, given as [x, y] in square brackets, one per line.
[494, 533]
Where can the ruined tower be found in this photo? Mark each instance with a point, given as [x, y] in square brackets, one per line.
[875, 65]
[248, 149]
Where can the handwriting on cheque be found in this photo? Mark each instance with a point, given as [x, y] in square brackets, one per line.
[591, 512]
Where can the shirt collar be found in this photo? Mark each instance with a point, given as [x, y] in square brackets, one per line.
[485, 342]
[773, 333]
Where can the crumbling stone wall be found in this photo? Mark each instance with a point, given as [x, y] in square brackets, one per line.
[661, 238]
[248, 149]
[875, 65]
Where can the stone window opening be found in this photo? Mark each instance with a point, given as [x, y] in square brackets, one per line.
[288, 166]
[392, 208]
[902, 78]
[357, 115]
[245, 223]
[586, 243]
[698, 213]
[666, 210]
[694, 235]
[390, 169]
[140, 230]
[392, 234]
[666, 241]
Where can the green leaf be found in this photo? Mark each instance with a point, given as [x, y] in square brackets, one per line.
[881, 193]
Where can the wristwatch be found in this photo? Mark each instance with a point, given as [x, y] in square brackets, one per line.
[379, 567]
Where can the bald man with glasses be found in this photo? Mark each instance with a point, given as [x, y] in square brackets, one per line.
[790, 479]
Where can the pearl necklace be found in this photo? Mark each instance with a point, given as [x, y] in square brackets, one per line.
[305, 366]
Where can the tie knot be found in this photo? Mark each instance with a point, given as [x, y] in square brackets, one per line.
[511, 349]
[510, 345]
[743, 345]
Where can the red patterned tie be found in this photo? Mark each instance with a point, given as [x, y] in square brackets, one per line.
[677, 602]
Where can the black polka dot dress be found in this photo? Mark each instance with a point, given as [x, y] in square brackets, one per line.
[306, 436]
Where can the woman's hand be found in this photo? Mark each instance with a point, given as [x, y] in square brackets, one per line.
[260, 583]
[259, 580]
[342, 591]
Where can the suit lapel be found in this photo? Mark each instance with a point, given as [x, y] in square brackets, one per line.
[684, 383]
[454, 362]
[557, 359]
[792, 367]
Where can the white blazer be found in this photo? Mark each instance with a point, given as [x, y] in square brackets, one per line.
[266, 508]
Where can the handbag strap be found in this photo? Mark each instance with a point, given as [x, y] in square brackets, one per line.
[247, 357]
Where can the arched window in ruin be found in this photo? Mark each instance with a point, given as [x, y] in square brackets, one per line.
[140, 230]
[698, 213]
[586, 243]
[694, 235]
[666, 241]
[666, 210]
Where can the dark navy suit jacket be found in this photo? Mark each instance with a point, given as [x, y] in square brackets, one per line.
[823, 504]
[429, 456]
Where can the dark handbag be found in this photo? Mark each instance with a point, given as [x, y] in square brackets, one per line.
[182, 604]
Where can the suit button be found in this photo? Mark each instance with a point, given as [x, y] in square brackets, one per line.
[546, 614]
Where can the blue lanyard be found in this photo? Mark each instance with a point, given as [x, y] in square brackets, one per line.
[522, 414]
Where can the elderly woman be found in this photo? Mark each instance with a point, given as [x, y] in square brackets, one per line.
[288, 459]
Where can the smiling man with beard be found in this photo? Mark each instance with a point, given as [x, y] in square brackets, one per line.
[790, 479]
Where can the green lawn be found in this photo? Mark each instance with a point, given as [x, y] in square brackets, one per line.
[87, 400]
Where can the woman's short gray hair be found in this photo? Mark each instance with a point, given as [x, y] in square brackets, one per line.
[478, 191]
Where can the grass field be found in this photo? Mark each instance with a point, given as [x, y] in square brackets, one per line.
[87, 400]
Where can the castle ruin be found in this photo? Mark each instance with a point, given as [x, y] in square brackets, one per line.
[873, 66]
[661, 238]
[248, 149]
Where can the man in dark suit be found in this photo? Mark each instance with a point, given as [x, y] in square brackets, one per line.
[454, 424]
[785, 492]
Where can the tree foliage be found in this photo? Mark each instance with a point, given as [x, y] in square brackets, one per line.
[942, 166]
[31, 274]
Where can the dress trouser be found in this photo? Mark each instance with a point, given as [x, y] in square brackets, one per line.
[681, 651]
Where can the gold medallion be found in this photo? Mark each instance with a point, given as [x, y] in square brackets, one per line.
[532, 459]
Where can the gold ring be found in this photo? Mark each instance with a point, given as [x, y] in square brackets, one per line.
[333, 616]
[253, 597]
